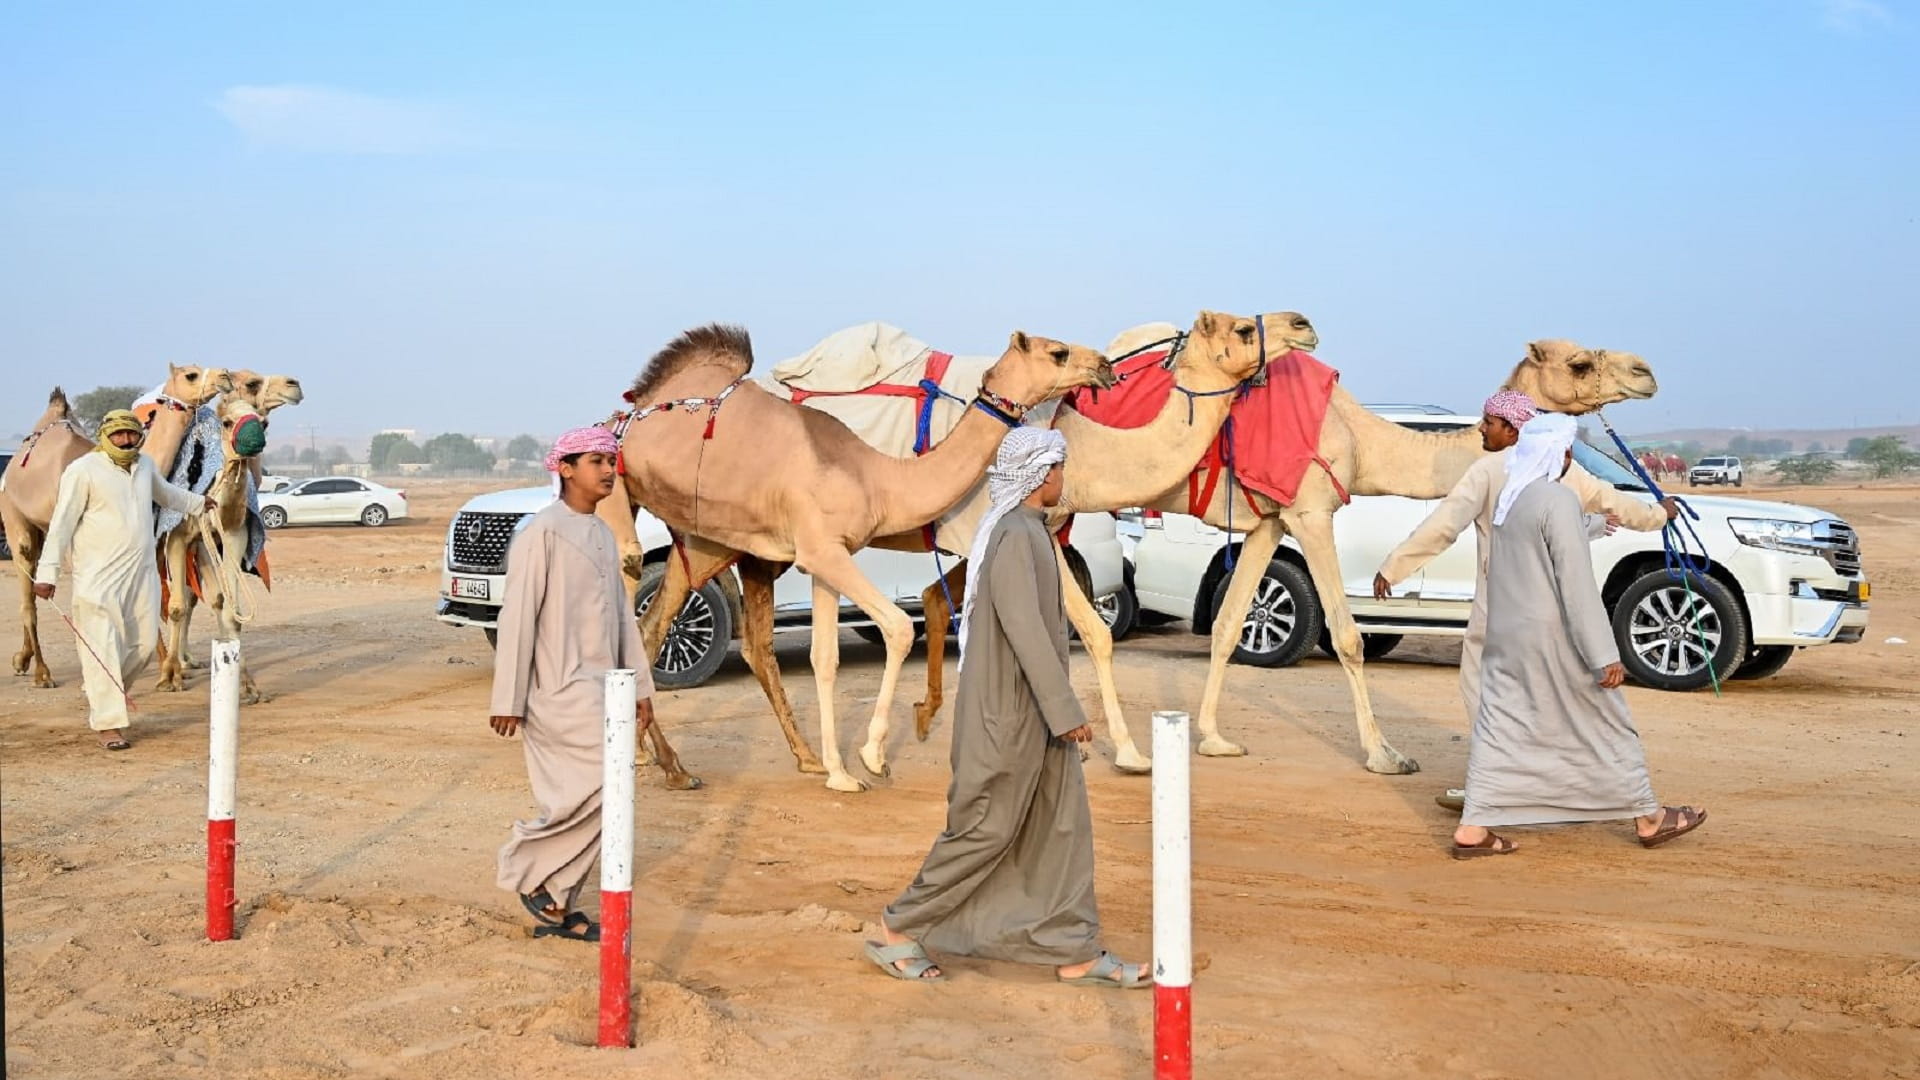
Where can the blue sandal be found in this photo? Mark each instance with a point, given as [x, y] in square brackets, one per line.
[1109, 971]
[918, 962]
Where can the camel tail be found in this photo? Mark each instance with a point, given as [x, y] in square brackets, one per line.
[713, 345]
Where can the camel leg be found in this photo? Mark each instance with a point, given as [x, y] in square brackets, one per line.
[706, 560]
[756, 603]
[26, 561]
[1099, 644]
[1255, 552]
[173, 657]
[227, 619]
[825, 655]
[834, 575]
[1315, 533]
[938, 613]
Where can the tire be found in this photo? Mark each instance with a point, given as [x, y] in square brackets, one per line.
[872, 634]
[697, 642]
[1765, 660]
[1284, 620]
[273, 517]
[1654, 628]
[1372, 646]
[1740, 481]
[1120, 610]
[374, 516]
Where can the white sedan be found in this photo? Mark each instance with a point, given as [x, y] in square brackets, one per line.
[332, 499]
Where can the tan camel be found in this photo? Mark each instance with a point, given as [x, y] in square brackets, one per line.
[264, 393]
[737, 472]
[1369, 455]
[220, 564]
[31, 485]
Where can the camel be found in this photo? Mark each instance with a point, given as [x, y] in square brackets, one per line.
[32, 484]
[264, 393]
[1368, 455]
[741, 475]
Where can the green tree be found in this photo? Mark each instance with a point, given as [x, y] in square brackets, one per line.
[1857, 446]
[454, 452]
[1739, 446]
[390, 450]
[524, 448]
[336, 455]
[1806, 469]
[1888, 455]
[96, 403]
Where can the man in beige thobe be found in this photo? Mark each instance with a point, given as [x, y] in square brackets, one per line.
[563, 625]
[1471, 502]
[1011, 877]
[104, 518]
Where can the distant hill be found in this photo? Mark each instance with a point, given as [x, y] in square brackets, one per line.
[1801, 438]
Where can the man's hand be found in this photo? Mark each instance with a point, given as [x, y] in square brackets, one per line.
[1081, 734]
[1612, 676]
[1613, 524]
[44, 592]
[1672, 507]
[504, 726]
[210, 506]
[643, 716]
[1382, 588]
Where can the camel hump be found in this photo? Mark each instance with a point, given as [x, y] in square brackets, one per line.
[715, 345]
[854, 359]
[1127, 341]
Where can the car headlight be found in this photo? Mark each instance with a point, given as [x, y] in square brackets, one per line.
[1775, 534]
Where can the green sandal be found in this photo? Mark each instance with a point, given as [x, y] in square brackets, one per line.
[1109, 971]
[885, 957]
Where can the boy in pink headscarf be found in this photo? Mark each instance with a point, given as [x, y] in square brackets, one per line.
[1471, 502]
[564, 624]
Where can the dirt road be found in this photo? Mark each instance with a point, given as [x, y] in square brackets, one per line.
[1782, 941]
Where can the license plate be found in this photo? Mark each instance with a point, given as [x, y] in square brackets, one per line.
[470, 588]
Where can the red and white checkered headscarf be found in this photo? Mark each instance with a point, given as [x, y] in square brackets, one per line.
[1512, 406]
[586, 440]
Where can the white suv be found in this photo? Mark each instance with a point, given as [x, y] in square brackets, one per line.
[1716, 470]
[473, 581]
[1782, 577]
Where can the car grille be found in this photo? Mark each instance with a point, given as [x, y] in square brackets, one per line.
[478, 541]
[1839, 545]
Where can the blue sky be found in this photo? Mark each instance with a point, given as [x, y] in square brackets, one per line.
[485, 219]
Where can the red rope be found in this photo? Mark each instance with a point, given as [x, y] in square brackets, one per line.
[131, 707]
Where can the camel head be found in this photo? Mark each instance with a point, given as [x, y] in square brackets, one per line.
[1230, 343]
[57, 410]
[1561, 376]
[267, 392]
[194, 386]
[242, 429]
[1037, 369]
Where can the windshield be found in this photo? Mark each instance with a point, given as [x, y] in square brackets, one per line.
[1713, 462]
[1605, 469]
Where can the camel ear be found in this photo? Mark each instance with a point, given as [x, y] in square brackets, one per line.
[1208, 323]
[1018, 341]
[1534, 355]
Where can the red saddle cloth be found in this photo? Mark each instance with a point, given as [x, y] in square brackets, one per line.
[1274, 427]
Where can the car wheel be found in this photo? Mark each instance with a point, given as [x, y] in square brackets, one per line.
[273, 517]
[1765, 660]
[374, 516]
[1739, 481]
[697, 642]
[1372, 646]
[873, 634]
[1283, 621]
[1120, 610]
[1668, 629]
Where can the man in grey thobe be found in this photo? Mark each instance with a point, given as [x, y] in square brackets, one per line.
[564, 624]
[1553, 741]
[1011, 878]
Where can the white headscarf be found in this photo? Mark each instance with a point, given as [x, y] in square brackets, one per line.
[1541, 452]
[1018, 470]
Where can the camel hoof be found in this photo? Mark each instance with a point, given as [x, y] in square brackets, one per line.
[811, 766]
[846, 783]
[684, 782]
[1215, 746]
[44, 682]
[1391, 762]
[254, 697]
[170, 684]
[883, 769]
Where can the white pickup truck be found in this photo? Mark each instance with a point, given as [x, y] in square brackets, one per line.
[1782, 577]
[1717, 471]
[473, 581]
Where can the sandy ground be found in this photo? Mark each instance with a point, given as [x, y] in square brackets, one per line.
[1782, 941]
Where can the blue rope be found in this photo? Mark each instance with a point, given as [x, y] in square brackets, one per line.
[1676, 539]
[923, 424]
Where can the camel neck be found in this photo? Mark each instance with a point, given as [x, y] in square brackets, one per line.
[920, 489]
[1112, 468]
[1389, 459]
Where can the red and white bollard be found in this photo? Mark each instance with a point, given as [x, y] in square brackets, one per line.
[616, 862]
[1172, 899]
[223, 759]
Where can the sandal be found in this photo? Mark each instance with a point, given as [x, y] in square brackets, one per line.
[887, 958]
[1109, 971]
[116, 743]
[575, 927]
[541, 904]
[1491, 844]
[1675, 821]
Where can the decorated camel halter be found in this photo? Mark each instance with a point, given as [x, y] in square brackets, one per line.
[692, 404]
[26, 448]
